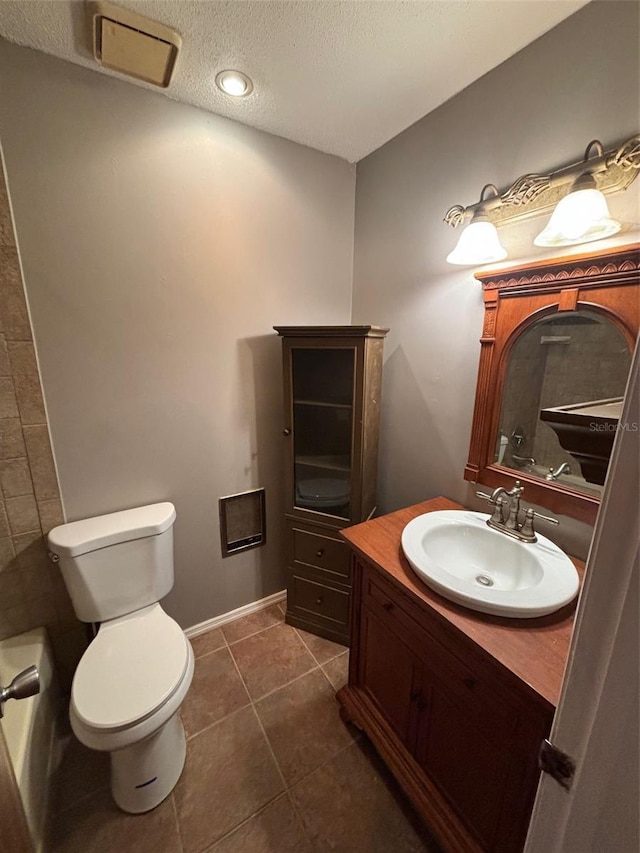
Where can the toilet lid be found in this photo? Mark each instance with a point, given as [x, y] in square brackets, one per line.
[130, 669]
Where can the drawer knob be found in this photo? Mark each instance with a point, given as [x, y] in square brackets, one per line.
[319, 552]
[319, 600]
[388, 606]
[286, 431]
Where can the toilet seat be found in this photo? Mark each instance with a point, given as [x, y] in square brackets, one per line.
[133, 668]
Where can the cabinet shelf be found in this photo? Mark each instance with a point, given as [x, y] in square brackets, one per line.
[323, 404]
[330, 463]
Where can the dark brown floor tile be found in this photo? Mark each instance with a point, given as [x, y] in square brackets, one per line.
[350, 805]
[303, 725]
[252, 623]
[275, 829]
[271, 659]
[216, 691]
[96, 825]
[337, 670]
[80, 771]
[229, 774]
[322, 650]
[209, 642]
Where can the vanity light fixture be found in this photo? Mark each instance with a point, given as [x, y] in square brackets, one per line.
[479, 242]
[234, 83]
[573, 191]
[582, 215]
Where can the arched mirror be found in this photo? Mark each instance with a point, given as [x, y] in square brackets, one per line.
[556, 353]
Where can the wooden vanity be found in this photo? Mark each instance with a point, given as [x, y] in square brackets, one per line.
[456, 702]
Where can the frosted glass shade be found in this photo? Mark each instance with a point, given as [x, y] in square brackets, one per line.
[580, 217]
[478, 244]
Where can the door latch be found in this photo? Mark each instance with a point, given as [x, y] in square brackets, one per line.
[556, 763]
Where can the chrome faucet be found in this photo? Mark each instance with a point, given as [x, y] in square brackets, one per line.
[506, 513]
[563, 469]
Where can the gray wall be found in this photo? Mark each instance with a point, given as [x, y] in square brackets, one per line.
[159, 245]
[536, 112]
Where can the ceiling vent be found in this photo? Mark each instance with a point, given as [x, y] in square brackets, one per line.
[131, 44]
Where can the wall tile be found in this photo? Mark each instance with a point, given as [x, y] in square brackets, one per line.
[23, 514]
[36, 582]
[13, 307]
[29, 397]
[5, 364]
[8, 401]
[11, 438]
[6, 225]
[30, 549]
[14, 621]
[4, 521]
[50, 514]
[15, 478]
[43, 472]
[32, 591]
[7, 555]
[42, 610]
[22, 358]
[10, 589]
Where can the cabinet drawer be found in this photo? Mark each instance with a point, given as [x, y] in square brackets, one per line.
[321, 551]
[317, 601]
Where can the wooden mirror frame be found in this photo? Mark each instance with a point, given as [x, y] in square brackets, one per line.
[607, 282]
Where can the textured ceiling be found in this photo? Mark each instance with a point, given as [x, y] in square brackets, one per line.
[343, 77]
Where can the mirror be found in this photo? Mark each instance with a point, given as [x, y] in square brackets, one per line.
[555, 364]
[555, 355]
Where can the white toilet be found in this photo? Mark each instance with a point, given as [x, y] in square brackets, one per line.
[130, 683]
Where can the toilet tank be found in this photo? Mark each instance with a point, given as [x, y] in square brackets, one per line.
[117, 563]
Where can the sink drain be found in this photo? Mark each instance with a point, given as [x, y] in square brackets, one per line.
[484, 580]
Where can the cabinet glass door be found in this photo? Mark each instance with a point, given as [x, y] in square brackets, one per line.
[323, 386]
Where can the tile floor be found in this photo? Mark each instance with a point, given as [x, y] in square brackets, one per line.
[270, 766]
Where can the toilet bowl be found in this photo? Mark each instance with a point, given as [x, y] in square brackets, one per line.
[130, 683]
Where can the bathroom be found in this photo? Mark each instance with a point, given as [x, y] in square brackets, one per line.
[160, 243]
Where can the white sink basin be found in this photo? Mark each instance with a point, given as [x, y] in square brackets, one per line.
[457, 555]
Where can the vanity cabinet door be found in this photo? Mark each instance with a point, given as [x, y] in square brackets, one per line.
[389, 673]
[482, 756]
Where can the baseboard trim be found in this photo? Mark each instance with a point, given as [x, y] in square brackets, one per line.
[245, 610]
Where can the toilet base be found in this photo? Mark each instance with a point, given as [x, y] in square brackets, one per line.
[145, 773]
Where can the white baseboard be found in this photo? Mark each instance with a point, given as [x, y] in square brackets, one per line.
[245, 610]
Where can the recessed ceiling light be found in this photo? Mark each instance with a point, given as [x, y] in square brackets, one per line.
[234, 83]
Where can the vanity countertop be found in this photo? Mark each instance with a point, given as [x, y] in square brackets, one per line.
[535, 650]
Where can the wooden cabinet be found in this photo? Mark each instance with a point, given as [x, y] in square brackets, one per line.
[459, 729]
[332, 383]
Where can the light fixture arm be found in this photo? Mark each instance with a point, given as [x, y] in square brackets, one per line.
[532, 194]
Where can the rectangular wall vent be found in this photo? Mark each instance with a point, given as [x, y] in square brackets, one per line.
[242, 521]
[132, 44]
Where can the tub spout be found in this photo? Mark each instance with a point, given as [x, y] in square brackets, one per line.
[26, 683]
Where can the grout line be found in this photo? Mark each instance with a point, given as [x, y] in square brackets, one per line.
[270, 748]
[262, 729]
[306, 832]
[217, 722]
[254, 634]
[297, 630]
[212, 652]
[246, 820]
[354, 740]
[177, 820]
[287, 684]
